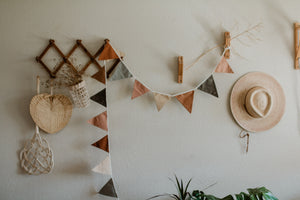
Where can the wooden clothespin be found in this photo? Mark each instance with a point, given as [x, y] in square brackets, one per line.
[227, 44]
[180, 69]
[296, 44]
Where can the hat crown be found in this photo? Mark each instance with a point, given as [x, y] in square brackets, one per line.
[258, 102]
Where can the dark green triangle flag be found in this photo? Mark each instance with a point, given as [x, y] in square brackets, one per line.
[109, 189]
[100, 97]
[209, 86]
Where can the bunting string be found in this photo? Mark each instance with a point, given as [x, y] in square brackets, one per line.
[179, 93]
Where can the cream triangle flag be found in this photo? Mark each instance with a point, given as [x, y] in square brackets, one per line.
[160, 100]
[104, 167]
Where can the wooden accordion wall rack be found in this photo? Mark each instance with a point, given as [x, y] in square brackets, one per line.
[65, 58]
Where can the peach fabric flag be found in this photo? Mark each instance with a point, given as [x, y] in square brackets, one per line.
[186, 100]
[223, 66]
[100, 121]
[100, 75]
[160, 100]
[138, 89]
[108, 53]
[104, 167]
[102, 144]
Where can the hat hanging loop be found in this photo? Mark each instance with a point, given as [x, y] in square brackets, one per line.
[244, 134]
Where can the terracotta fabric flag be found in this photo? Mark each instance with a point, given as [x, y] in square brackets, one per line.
[100, 75]
[120, 72]
[109, 189]
[102, 144]
[138, 89]
[160, 100]
[209, 86]
[100, 121]
[186, 100]
[104, 167]
[100, 97]
[108, 53]
[223, 66]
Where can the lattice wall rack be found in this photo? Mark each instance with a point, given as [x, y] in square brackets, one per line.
[65, 58]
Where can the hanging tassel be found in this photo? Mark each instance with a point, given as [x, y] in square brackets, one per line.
[244, 134]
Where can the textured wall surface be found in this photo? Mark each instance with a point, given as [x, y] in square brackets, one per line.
[147, 147]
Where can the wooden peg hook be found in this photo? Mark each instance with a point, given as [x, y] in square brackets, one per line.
[227, 44]
[296, 44]
[180, 69]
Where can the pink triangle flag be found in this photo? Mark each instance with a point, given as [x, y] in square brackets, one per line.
[138, 89]
[186, 100]
[223, 66]
[100, 121]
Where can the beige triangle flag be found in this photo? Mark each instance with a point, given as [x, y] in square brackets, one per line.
[186, 100]
[223, 66]
[104, 167]
[160, 100]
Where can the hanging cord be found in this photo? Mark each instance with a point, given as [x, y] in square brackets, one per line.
[108, 133]
[244, 134]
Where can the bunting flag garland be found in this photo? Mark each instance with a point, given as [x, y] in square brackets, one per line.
[100, 75]
[102, 144]
[100, 121]
[138, 89]
[104, 167]
[186, 100]
[160, 100]
[109, 189]
[120, 72]
[100, 97]
[108, 53]
[223, 66]
[209, 86]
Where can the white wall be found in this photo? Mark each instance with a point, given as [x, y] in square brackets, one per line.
[147, 147]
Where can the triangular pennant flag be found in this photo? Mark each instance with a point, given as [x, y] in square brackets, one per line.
[104, 167]
[100, 121]
[109, 189]
[138, 89]
[120, 72]
[160, 100]
[102, 144]
[186, 100]
[100, 97]
[108, 53]
[100, 75]
[209, 86]
[223, 66]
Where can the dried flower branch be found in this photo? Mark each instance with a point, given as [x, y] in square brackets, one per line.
[249, 33]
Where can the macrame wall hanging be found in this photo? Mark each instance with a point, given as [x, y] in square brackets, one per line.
[118, 71]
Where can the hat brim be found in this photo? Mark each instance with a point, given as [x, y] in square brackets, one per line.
[237, 102]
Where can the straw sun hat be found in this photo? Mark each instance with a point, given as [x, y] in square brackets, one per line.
[257, 102]
[51, 112]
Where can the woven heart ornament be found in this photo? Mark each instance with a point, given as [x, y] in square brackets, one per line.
[51, 112]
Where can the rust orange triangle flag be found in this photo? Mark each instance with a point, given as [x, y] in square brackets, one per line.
[108, 53]
[223, 66]
[138, 89]
[186, 100]
[100, 121]
[102, 144]
[100, 75]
